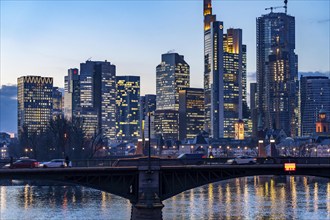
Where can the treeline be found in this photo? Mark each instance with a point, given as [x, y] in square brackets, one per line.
[61, 138]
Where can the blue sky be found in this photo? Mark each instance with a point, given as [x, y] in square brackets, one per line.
[48, 37]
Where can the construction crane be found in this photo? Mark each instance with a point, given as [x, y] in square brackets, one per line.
[285, 7]
[272, 8]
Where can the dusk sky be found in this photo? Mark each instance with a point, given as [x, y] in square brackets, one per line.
[48, 37]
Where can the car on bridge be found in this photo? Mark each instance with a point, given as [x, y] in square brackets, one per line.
[55, 163]
[23, 163]
[242, 160]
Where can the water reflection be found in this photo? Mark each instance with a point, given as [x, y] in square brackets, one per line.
[263, 197]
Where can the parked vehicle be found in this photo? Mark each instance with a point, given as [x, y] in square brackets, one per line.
[242, 160]
[58, 163]
[25, 163]
[192, 159]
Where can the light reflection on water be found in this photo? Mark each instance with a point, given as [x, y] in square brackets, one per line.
[244, 198]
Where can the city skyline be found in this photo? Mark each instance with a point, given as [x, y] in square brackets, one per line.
[49, 44]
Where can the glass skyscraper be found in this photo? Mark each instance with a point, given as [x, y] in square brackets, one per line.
[71, 93]
[277, 72]
[314, 96]
[147, 105]
[98, 98]
[191, 112]
[128, 107]
[172, 75]
[34, 103]
[224, 76]
[213, 70]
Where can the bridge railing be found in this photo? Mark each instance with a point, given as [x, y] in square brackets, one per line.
[93, 163]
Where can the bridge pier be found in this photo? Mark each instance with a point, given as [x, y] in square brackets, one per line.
[149, 206]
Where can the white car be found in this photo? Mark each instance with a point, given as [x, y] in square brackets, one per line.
[55, 163]
[242, 160]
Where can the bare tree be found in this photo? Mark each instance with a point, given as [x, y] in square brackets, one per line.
[97, 143]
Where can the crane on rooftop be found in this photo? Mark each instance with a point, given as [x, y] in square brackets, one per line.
[276, 7]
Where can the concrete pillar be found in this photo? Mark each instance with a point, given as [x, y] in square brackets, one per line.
[149, 205]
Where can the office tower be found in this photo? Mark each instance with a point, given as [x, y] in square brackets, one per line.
[172, 75]
[224, 76]
[71, 93]
[34, 103]
[166, 124]
[147, 105]
[314, 96]
[98, 98]
[253, 107]
[57, 102]
[191, 112]
[233, 80]
[213, 71]
[128, 107]
[277, 72]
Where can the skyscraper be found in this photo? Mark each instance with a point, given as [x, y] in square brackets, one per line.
[98, 97]
[191, 112]
[128, 107]
[233, 81]
[71, 93]
[213, 70]
[253, 107]
[34, 103]
[167, 124]
[277, 72]
[147, 105]
[314, 96]
[224, 76]
[172, 75]
[57, 102]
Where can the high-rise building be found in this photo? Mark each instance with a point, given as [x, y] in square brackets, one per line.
[166, 124]
[191, 112]
[213, 71]
[314, 96]
[128, 107]
[253, 107]
[98, 98]
[233, 81]
[224, 76]
[277, 72]
[172, 75]
[34, 103]
[57, 102]
[71, 93]
[147, 105]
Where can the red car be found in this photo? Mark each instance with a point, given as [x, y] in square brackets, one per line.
[25, 163]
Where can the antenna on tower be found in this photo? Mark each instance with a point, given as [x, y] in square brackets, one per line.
[286, 6]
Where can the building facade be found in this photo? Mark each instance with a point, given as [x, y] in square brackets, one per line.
[191, 112]
[277, 72]
[98, 98]
[166, 123]
[314, 96]
[34, 103]
[128, 107]
[147, 105]
[213, 71]
[71, 94]
[224, 76]
[57, 102]
[172, 75]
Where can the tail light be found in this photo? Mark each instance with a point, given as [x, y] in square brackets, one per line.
[36, 164]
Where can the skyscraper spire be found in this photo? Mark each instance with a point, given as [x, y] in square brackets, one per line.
[208, 16]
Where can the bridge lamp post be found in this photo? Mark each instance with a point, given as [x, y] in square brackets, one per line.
[191, 149]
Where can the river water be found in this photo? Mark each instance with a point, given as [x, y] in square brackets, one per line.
[242, 198]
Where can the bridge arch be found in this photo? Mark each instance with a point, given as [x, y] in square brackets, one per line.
[175, 181]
